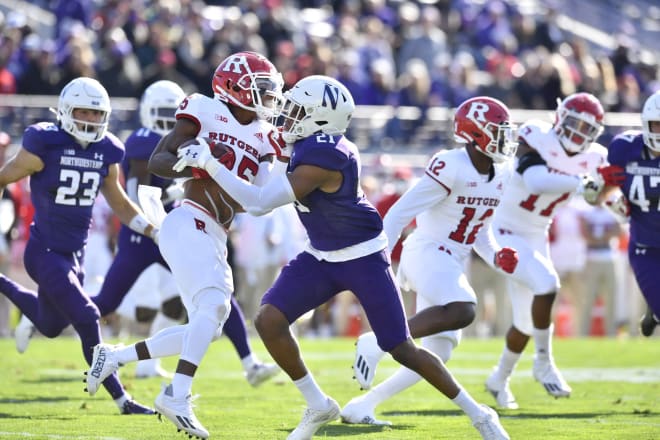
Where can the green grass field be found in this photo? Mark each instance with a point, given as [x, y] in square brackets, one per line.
[616, 395]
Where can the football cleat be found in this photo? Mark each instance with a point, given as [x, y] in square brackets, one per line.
[104, 363]
[545, 371]
[23, 334]
[646, 325]
[501, 392]
[313, 419]
[147, 368]
[359, 413]
[132, 407]
[260, 373]
[489, 426]
[180, 412]
[367, 356]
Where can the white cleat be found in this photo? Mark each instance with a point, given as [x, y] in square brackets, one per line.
[147, 368]
[488, 425]
[179, 411]
[359, 413]
[23, 334]
[545, 371]
[313, 419]
[260, 373]
[367, 356]
[104, 363]
[501, 392]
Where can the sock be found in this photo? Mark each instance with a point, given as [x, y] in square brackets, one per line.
[249, 362]
[181, 385]
[310, 390]
[119, 401]
[402, 379]
[161, 322]
[508, 362]
[542, 338]
[467, 404]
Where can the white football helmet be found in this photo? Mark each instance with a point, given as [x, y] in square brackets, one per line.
[86, 93]
[158, 105]
[651, 112]
[316, 103]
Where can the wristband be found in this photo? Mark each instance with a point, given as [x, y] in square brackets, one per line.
[139, 223]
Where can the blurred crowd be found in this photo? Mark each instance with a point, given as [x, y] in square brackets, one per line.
[400, 53]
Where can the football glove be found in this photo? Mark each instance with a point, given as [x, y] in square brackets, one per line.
[590, 188]
[612, 175]
[620, 206]
[506, 259]
[197, 155]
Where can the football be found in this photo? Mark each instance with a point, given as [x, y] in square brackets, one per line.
[218, 149]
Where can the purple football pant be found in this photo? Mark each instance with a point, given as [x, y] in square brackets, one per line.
[306, 283]
[60, 300]
[645, 262]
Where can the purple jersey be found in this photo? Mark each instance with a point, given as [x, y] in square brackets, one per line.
[640, 187]
[344, 218]
[139, 146]
[63, 192]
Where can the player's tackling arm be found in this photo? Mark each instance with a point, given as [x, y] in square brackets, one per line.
[278, 191]
[21, 165]
[126, 210]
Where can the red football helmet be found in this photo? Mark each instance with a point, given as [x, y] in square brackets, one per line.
[248, 80]
[579, 121]
[486, 122]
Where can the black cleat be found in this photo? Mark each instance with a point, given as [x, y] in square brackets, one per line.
[648, 323]
[132, 407]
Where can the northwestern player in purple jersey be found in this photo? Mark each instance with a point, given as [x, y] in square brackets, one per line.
[135, 253]
[347, 249]
[68, 163]
[638, 156]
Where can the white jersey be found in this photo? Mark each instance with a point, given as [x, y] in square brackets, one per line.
[452, 203]
[525, 211]
[250, 143]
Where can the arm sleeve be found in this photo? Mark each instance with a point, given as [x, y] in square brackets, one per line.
[539, 179]
[254, 199]
[486, 246]
[426, 193]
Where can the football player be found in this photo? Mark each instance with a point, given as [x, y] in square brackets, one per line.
[193, 242]
[453, 205]
[554, 162]
[68, 163]
[347, 249]
[637, 154]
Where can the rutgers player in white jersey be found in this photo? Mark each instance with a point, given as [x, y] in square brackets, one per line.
[453, 205]
[193, 238]
[554, 161]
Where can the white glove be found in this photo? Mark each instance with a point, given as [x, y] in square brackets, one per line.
[590, 188]
[195, 155]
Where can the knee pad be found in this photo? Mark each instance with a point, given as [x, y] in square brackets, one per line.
[173, 308]
[441, 344]
[145, 314]
[213, 304]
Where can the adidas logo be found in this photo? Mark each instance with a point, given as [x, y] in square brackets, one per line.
[186, 422]
[362, 365]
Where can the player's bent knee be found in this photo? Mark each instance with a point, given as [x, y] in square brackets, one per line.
[442, 344]
[213, 304]
[270, 321]
[145, 314]
[173, 308]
